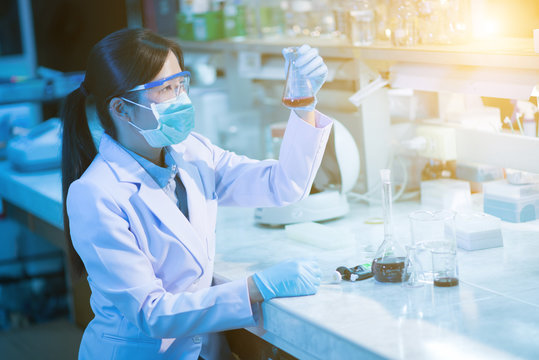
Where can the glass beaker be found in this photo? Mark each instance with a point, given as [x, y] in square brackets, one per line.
[412, 275]
[298, 91]
[388, 263]
[403, 23]
[444, 265]
[362, 27]
[341, 15]
[432, 231]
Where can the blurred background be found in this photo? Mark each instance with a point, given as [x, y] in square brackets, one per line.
[419, 85]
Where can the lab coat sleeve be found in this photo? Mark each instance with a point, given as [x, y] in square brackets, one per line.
[241, 181]
[122, 272]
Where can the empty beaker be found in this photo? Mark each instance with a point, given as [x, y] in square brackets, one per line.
[362, 27]
[298, 91]
[412, 275]
[444, 265]
[432, 230]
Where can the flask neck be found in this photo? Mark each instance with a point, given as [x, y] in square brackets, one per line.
[387, 208]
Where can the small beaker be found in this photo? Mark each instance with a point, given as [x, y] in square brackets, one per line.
[412, 275]
[432, 230]
[298, 91]
[444, 265]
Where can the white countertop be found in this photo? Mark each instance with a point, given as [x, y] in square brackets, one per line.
[492, 314]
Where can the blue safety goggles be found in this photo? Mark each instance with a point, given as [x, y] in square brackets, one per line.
[180, 79]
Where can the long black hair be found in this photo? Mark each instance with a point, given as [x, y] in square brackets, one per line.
[117, 63]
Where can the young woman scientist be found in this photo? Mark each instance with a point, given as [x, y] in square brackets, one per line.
[141, 210]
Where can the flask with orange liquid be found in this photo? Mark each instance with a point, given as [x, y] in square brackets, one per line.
[298, 91]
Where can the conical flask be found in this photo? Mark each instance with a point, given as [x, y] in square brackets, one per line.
[388, 263]
[298, 91]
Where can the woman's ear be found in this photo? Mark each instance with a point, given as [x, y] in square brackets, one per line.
[119, 110]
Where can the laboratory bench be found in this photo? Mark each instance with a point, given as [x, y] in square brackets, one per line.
[492, 314]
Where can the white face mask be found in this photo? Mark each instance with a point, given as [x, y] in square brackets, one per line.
[175, 118]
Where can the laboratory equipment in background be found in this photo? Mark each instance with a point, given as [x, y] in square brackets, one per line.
[440, 150]
[298, 91]
[16, 119]
[362, 26]
[478, 174]
[511, 202]
[432, 230]
[445, 269]
[358, 22]
[524, 116]
[477, 231]
[200, 20]
[443, 22]
[160, 16]
[341, 18]
[517, 177]
[389, 260]
[403, 23]
[39, 149]
[337, 175]
[48, 85]
[381, 18]
[18, 50]
[446, 194]
[234, 19]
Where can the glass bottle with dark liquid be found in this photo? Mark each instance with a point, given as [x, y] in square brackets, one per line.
[388, 263]
[298, 91]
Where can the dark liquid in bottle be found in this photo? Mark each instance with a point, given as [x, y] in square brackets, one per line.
[298, 102]
[388, 269]
[446, 282]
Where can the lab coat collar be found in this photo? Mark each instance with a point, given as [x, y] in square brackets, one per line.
[124, 166]
[190, 233]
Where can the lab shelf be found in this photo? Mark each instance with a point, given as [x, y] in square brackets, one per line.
[516, 53]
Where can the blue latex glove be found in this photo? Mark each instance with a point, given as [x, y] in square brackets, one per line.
[312, 66]
[291, 278]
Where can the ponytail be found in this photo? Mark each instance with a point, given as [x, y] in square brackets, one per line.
[78, 151]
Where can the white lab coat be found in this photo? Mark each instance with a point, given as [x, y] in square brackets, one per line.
[149, 268]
